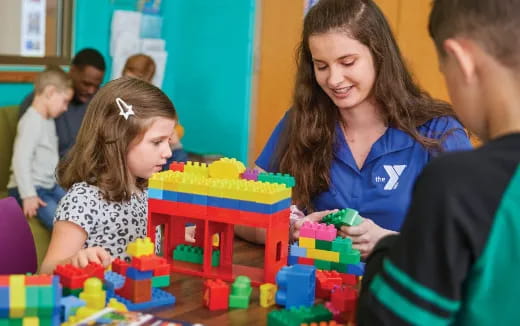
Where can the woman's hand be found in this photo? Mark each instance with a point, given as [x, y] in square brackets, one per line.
[91, 255]
[313, 217]
[364, 236]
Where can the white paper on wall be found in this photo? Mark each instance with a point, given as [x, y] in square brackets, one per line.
[160, 58]
[124, 22]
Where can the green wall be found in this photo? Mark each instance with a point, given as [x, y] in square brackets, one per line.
[209, 70]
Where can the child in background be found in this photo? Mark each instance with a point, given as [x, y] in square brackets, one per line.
[456, 261]
[142, 66]
[35, 153]
[124, 139]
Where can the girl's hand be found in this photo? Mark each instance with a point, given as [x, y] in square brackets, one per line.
[31, 205]
[313, 217]
[364, 236]
[91, 255]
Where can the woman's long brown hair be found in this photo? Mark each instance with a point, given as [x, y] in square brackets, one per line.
[307, 143]
[99, 155]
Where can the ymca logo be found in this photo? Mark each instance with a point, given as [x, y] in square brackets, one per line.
[394, 172]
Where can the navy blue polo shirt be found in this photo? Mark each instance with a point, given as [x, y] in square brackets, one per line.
[381, 189]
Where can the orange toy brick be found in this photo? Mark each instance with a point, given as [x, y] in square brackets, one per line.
[37, 280]
[136, 291]
[216, 294]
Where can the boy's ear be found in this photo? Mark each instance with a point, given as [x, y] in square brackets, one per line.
[459, 51]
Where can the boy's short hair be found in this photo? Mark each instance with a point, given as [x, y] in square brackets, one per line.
[52, 76]
[495, 25]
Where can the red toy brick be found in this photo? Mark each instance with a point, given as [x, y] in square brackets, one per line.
[95, 270]
[177, 166]
[147, 263]
[305, 261]
[349, 279]
[216, 294]
[71, 277]
[325, 282]
[344, 298]
[4, 280]
[36, 280]
[119, 266]
[161, 270]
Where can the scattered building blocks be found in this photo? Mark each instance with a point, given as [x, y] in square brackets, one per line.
[267, 295]
[298, 315]
[216, 294]
[240, 292]
[296, 286]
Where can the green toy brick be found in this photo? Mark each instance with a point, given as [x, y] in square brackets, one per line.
[322, 264]
[4, 322]
[285, 179]
[31, 303]
[338, 267]
[194, 254]
[46, 301]
[45, 322]
[240, 293]
[67, 292]
[161, 281]
[341, 245]
[351, 257]
[15, 322]
[323, 245]
[296, 316]
[348, 217]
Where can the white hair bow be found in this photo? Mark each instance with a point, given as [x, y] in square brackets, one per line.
[124, 109]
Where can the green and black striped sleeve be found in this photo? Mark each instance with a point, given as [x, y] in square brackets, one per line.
[420, 277]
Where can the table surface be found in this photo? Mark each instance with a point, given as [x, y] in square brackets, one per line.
[188, 292]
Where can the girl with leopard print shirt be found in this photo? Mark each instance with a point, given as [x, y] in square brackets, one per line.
[123, 140]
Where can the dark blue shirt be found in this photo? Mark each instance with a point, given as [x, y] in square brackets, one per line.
[381, 189]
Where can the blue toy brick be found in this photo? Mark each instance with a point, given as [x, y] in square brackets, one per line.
[4, 302]
[57, 295]
[296, 286]
[292, 260]
[184, 197]
[159, 298]
[114, 280]
[356, 269]
[137, 275]
[200, 200]
[169, 195]
[155, 193]
[69, 305]
[298, 251]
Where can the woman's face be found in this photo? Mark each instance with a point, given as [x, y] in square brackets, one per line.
[343, 67]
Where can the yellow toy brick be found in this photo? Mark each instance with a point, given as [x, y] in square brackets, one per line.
[309, 243]
[31, 321]
[93, 294]
[226, 168]
[326, 255]
[140, 247]
[267, 295]
[196, 168]
[17, 299]
[116, 305]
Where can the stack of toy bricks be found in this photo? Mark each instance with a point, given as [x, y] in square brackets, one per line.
[73, 278]
[143, 275]
[29, 300]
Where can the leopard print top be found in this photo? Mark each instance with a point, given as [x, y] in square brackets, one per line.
[111, 225]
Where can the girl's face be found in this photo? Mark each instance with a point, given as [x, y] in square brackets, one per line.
[150, 154]
[343, 67]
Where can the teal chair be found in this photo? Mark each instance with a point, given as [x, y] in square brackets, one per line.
[8, 123]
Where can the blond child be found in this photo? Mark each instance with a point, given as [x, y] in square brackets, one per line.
[35, 153]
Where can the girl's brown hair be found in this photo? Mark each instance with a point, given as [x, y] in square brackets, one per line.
[307, 143]
[99, 155]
